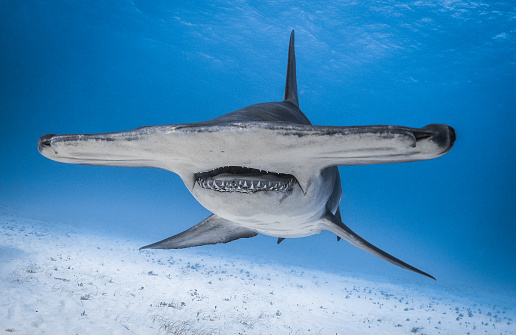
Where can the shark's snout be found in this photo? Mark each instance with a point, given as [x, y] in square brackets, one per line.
[44, 142]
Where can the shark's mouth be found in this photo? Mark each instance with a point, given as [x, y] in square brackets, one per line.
[244, 180]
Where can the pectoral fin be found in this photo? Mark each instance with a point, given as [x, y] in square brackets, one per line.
[212, 230]
[334, 225]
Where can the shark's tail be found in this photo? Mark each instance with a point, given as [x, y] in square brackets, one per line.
[291, 84]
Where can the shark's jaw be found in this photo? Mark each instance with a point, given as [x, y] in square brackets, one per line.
[245, 180]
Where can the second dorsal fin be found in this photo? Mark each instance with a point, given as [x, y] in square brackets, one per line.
[291, 84]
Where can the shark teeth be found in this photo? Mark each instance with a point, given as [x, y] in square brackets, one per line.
[244, 180]
[246, 186]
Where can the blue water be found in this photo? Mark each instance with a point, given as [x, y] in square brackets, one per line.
[101, 66]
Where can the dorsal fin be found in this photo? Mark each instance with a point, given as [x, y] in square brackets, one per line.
[291, 84]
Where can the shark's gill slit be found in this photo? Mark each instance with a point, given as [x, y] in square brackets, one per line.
[244, 180]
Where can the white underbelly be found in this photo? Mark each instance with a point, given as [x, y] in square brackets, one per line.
[286, 229]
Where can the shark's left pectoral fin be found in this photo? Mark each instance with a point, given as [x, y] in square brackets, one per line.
[331, 223]
[212, 230]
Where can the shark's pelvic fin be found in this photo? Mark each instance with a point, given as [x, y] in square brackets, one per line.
[291, 84]
[212, 230]
[331, 223]
[280, 239]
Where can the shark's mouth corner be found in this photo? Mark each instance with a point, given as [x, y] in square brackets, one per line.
[244, 180]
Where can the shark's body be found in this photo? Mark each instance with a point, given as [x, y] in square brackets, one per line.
[261, 169]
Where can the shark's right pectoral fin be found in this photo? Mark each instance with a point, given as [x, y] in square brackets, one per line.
[212, 230]
[335, 225]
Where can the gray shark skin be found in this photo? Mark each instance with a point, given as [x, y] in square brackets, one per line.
[261, 169]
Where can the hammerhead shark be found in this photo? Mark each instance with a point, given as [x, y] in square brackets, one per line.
[260, 169]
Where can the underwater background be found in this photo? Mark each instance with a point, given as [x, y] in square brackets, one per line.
[103, 66]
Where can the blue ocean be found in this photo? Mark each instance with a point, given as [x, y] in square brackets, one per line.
[105, 66]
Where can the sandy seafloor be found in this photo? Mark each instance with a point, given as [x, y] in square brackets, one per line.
[59, 279]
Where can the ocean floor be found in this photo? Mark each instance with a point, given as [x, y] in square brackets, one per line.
[59, 279]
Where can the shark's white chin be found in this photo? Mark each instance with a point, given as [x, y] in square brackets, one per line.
[286, 214]
[251, 205]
